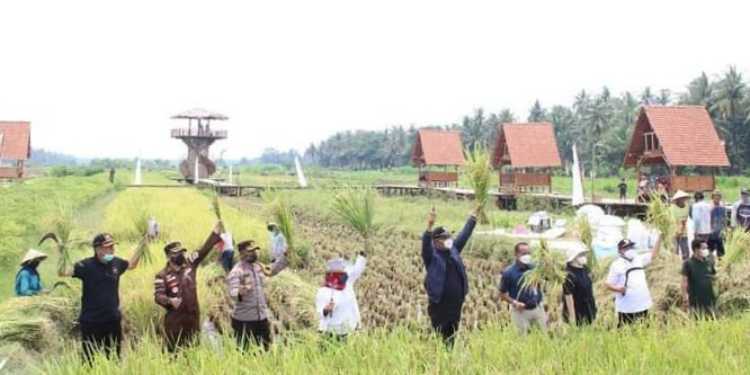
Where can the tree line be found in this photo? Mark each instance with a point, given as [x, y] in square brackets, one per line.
[598, 118]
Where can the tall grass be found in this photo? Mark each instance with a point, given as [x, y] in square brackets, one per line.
[694, 348]
[660, 216]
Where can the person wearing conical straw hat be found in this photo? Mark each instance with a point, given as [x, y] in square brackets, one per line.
[336, 303]
[28, 282]
[681, 212]
[579, 305]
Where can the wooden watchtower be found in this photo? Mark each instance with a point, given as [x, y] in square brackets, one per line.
[434, 152]
[525, 155]
[198, 140]
[677, 146]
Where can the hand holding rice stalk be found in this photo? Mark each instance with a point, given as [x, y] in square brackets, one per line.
[548, 272]
[356, 207]
[479, 171]
[140, 226]
[660, 216]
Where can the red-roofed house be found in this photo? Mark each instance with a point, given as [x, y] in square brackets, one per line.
[15, 148]
[667, 139]
[437, 148]
[525, 155]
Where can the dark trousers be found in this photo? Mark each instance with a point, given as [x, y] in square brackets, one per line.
[716, 243]
[624, 319]
[104, 337]
[181, 329]
[259, 332]
[445, 320]
[227, 260]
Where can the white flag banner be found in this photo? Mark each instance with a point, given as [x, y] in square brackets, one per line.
[300, 175]
[577, 196]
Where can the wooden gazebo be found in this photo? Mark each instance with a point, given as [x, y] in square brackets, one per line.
[15, 148]
[525, 155]
[667, 140]
[438, 154]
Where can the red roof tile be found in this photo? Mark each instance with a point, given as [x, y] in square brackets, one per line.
[16, 140]
[686, 134]
[529, 145]
[438, 147]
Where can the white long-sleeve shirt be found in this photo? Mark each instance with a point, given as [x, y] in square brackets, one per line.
[345, 317]
[278, 245]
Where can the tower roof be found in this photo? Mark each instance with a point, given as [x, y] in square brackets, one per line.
[200, 113]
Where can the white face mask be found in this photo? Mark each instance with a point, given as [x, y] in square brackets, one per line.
[525, 259]
[705, 253]
[582, 260]
[448, 243]
[630, 254]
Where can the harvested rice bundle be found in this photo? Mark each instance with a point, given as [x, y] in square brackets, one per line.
[585, 234]
[479, 172]
[62, 224]
[356, 208]
[659, 215]
[282, 214]
[548, 272]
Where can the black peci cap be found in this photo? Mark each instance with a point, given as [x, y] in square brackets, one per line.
[625, 244]
[440, 233]
[103, 239]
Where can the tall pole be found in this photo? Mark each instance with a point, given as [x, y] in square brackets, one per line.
[593, 170]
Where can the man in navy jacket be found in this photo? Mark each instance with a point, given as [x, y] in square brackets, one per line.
[446, 282]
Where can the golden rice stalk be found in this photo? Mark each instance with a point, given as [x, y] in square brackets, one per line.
[61, 224]
[585, 234]
[215, 206]
[737, 246]
[356, 208]
[282, 214]
[548, 272]
[659, 215]
[479, 172]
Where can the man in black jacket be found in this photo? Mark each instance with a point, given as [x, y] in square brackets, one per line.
[446, 282]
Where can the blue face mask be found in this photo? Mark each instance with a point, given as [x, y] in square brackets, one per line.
[108, 258]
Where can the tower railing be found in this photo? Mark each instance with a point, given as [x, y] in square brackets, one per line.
[199, 132]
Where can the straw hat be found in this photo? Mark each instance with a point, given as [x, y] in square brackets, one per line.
[680, 195]
[33, 255]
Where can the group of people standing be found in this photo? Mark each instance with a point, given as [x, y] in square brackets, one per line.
[446, 281]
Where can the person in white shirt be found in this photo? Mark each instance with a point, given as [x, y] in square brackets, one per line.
[278, 241]
[153, 230]
[336, 303]
[701, 215]
[627, 279]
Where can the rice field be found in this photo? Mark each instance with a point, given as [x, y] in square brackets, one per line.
[394, 336]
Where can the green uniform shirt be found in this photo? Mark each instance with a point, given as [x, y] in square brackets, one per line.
[700, 276]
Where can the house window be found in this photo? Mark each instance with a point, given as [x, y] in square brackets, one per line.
[651, 142]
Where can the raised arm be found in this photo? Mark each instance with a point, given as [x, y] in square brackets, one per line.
[465, 234]
[136, 258]
[211, 241]
[427, 249]
[356, 270]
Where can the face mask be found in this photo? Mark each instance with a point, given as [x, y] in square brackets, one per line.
[107, 258]
[582, 260]
[178, 260]
[448, 243]
[525, 259]
[251, 258]
[630, 254]
[705, 253]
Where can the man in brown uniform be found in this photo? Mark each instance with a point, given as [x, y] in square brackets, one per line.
[176, 291]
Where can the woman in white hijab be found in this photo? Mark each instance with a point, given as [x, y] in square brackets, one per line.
[336, 303]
